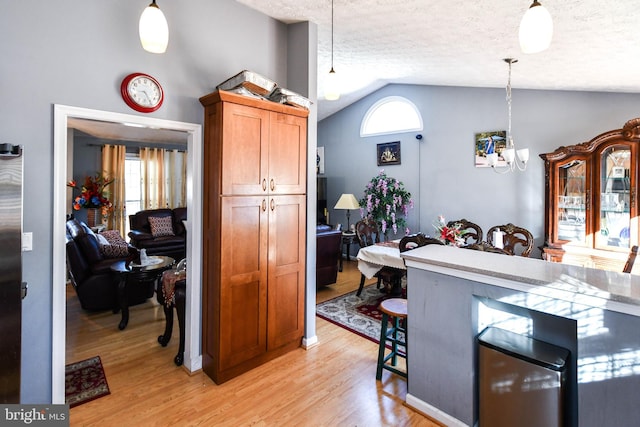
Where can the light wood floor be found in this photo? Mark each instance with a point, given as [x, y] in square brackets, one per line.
[330, 384]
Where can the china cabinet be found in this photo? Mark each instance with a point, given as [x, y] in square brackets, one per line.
[591, 200]
[254, 232]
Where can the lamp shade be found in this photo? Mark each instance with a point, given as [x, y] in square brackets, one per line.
[332, 86]
[347, 201]
[153, 29]
[536, 29]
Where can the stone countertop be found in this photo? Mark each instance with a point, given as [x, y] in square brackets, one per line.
[592, 287]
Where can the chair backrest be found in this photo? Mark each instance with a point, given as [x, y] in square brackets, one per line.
[513, 237]
[628, 266]
[413, 241]
[368, 232]
[473, 231]
[486, 247]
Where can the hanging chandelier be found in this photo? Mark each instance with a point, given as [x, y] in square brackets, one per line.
[331, 86]
[536, 29]
[153, 29]
[512, 158]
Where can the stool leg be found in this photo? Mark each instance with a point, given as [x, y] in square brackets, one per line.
[383, 340]
[394, 343]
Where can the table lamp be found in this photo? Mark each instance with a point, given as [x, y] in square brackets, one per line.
[348, 202]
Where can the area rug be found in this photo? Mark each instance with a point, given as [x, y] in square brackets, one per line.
[85, 381]
[359, 315]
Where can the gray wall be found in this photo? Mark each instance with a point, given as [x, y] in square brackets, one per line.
[76, 52]
[439, 170]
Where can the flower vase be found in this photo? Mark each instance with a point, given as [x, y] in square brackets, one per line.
[93, 217]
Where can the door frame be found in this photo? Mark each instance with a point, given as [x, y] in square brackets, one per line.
[193, 353]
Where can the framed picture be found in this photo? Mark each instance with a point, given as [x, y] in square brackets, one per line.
[389, 153]
[487, 143]
[320, 160]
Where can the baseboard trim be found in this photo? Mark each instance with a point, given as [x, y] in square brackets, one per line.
[433, 412]
[307, 343]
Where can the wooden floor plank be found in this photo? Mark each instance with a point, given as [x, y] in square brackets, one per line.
[330, 384]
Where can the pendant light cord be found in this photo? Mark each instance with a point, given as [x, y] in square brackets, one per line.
[509, 97]
[331, 35]
[509, 61]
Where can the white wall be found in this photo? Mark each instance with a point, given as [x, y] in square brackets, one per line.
[439, 169]
[76, 52]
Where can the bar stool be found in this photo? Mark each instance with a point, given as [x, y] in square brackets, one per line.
[394, 309]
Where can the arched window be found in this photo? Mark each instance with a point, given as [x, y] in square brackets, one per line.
[393, 114]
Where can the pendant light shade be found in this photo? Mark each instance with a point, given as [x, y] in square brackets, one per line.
[536, 29]
[331, 86]
[153, 29]
[332, 83]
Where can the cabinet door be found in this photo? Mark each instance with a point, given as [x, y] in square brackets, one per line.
[613, 230]
[245, 137]
[286, 269]
[287, 154]
[573, 202]
[243, 287]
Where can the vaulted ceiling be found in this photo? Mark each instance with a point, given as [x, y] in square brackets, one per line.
[595, 47]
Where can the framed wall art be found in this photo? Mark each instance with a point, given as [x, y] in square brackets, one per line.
[487, 143]
[389, 153]
[320, 160]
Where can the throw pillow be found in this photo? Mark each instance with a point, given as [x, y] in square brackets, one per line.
[112, 245]
[161, 226]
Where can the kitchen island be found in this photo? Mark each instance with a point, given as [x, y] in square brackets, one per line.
[454, 294]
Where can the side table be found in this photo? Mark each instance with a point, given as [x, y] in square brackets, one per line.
[132, 275]
[348, 237]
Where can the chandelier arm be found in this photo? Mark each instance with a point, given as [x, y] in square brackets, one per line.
[502, 169]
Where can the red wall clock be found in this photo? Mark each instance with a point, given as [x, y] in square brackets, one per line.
[142, 92]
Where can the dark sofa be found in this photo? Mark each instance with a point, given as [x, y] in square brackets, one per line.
[90, 271]
[328, 252]
[141, 237]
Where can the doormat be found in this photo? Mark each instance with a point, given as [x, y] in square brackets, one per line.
[359, 315]
[85, 381]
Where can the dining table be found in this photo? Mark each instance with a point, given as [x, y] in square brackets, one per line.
[373, 258]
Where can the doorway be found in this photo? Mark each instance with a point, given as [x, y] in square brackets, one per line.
[62, 114]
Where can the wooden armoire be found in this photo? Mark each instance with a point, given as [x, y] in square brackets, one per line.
[254, 223]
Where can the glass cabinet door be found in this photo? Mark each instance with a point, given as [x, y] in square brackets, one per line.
[572, 200]
[614, 218]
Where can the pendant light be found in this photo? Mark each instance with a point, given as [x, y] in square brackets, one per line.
[331, 86]
[536, 29]
[153, 29]
[512, 157]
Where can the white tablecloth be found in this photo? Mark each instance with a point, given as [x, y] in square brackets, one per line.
[372, 258]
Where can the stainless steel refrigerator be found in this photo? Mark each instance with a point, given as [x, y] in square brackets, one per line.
[11, 287]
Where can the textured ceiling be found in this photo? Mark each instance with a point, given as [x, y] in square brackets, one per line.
[595, 47]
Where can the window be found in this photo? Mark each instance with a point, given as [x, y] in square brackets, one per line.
[393, 114]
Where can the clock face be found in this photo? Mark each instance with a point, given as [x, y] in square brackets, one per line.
[142, 92]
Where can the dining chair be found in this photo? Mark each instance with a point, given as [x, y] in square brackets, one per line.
[486, 247]
[628, 266]
[368, 233]
[416, 240]
[516, 240]
[473, 231]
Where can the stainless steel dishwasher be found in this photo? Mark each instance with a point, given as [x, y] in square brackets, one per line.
[521, 381]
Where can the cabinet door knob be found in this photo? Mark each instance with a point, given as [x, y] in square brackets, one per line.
[264, 205]
[272, 184]
[264, 184]
[272, 204]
